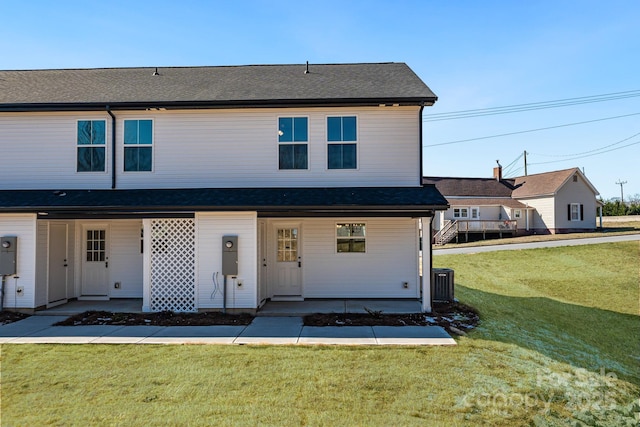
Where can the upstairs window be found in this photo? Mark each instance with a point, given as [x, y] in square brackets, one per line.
[341, 155]
[138, 145]
[351, 238]
[91, 146]
[293, 136]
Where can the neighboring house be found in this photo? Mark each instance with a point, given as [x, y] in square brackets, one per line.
[197, 188]
[553, 202]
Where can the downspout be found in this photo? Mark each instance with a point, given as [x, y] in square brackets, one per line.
[421, 160]
[113, 148]
[430, 261]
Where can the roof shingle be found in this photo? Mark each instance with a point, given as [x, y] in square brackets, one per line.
[211, 86]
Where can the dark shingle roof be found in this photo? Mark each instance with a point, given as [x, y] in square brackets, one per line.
[213, 86]
[471, 187]
[352, 199]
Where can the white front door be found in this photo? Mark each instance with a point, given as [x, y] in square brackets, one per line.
[95, 261]
[286, 274]
[58, 264]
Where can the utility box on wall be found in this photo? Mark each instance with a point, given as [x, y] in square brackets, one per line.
[229, 255]
[8, 255]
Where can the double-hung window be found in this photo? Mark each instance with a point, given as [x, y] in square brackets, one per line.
[351, 237]
[576, 212]
[138, 145]
[460, 213]
[91, 146]
[293, 138]
[341, 142]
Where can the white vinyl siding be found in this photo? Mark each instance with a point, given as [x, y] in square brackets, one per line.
[125, 259]
[23, 226]
[577, 193]
[211, 148]
[210, 227]
[544, 215]
[390, 260]
[40, 151]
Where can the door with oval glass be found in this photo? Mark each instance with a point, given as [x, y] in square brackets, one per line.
[286, 277]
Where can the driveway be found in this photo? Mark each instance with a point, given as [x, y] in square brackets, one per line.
[535, 245]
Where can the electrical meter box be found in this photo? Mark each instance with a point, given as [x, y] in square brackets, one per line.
[8, 254]
[229, 255]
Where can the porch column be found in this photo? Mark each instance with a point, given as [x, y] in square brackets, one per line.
[146, 265]
[427, 237]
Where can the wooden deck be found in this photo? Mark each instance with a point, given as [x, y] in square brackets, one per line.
[453, 230]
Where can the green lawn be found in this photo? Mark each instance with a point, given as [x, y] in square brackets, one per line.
[558, 342]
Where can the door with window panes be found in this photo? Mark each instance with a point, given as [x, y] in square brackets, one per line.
[95, 260]
[286, 277]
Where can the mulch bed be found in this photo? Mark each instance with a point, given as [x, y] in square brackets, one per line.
[11, 316]
[455, 317]
[163, 318]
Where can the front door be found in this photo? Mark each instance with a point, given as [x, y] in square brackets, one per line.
[58, 264]
[286, 278]
[95, 261]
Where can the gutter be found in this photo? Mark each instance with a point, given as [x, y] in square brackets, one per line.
[113, 148]
[213, 104]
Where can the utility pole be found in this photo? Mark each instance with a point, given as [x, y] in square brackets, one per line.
[525, 162]
[621, 184]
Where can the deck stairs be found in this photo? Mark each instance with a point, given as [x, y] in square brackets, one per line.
[446, 234]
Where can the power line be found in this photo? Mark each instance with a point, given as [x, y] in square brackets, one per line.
[528, 131]
[463, 114]
[587, 155]
[586, 152]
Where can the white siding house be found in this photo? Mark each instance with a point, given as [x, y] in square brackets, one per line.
[561, 201]
[130, 185]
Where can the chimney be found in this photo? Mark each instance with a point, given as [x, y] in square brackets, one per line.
[497, 171]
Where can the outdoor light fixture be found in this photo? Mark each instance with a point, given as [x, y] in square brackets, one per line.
[228, 244]
[6, 244]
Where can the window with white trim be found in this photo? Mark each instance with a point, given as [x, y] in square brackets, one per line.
[342, 142]
[517, 213]
[351, 237]
[138, 145]
[575, 212]
[475, 213]
[293, 137]
[91, 146]
[460, 213]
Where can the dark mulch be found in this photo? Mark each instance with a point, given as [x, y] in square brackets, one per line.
[11, 316]
[163, 318]
[454, 317]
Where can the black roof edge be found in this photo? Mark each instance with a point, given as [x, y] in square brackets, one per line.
[154, 209]
[141, 105]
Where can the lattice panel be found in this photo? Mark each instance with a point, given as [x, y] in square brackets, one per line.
[173, 265]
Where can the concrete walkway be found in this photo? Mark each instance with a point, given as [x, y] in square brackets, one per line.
[263, 330]
[506, 246]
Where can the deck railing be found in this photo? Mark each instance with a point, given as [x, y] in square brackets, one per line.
[477, 226]
[452, 229]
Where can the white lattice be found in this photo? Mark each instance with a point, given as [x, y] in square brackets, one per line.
[173, 265]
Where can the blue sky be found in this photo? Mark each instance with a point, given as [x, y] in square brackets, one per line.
[473, 55]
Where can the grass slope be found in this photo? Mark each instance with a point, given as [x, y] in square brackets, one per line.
[550, 350]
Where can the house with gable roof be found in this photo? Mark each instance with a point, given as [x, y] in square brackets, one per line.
[561, 201]
[214, 188]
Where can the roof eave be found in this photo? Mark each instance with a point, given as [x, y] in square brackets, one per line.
[213, 104]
